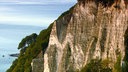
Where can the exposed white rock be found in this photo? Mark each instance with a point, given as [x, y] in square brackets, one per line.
[46, 67]
[90, 31]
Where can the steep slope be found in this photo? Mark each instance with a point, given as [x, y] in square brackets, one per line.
[92, 30]
[31, 58]
[91, 36]
[27, 54]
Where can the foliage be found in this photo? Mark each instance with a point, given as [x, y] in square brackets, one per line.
[27, 41]
[117, 66]
[23, 63]
[13, 65]
[125, 64]
[103, 66]
[97, 66]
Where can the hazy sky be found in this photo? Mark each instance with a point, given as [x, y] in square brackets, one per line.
[43, 1]
[32, 12]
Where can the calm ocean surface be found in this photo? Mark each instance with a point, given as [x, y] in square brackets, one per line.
[10, 36]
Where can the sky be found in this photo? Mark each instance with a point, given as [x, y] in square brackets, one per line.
[32, 12]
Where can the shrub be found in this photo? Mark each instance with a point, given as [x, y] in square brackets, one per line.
[97, 66]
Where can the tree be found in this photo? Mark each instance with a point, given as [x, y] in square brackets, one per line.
[27, 41]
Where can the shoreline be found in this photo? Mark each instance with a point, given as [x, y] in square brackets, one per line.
[14, 55]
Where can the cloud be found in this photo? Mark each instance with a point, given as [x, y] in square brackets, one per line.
[37, 1]
[29, 3]
[25, 20]
[4, 8]
[23, 14]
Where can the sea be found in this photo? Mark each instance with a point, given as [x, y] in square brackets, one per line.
[10, 36]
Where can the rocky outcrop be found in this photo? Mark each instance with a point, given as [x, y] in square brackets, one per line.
[37, 65]
[89, 31]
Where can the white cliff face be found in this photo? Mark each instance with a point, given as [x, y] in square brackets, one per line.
[89, 31]
[46, 67]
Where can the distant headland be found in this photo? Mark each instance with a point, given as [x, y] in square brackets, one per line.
[14, 55]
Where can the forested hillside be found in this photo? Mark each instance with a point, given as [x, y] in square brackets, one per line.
[30, 47]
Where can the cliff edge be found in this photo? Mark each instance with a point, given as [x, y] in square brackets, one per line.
[92, 29]
[92, 36]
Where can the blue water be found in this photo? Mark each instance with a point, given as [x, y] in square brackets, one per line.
[10, 36]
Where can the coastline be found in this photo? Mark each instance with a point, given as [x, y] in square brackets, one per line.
[14, 55]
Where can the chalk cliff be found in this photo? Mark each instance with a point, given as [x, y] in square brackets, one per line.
[92, 29]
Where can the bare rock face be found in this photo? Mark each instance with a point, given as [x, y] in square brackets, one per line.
[89, 31]
[37, 65]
